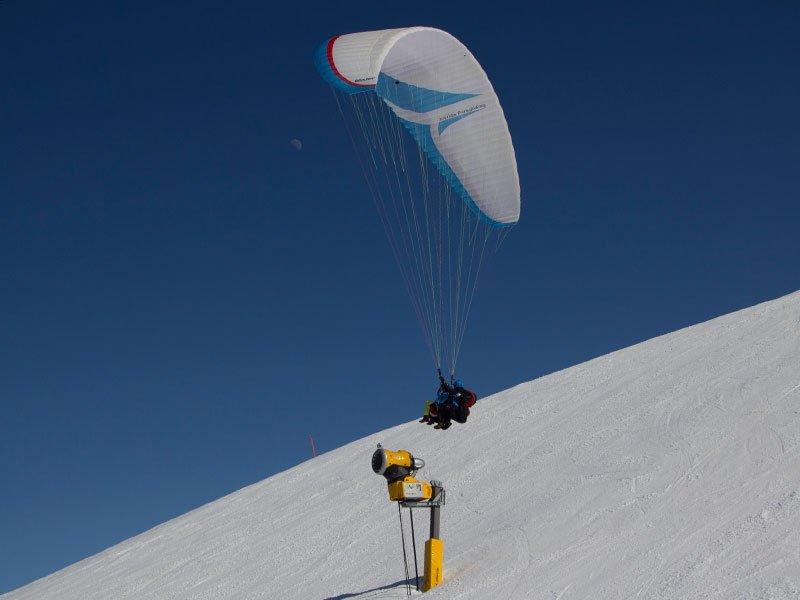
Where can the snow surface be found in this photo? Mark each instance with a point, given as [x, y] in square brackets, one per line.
[670, 469]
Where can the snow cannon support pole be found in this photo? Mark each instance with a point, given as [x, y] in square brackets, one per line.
[398, 468]
[434, 547]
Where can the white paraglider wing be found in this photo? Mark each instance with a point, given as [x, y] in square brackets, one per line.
[440, 220]
[441, 94]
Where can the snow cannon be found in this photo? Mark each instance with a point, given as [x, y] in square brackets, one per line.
[398, 467]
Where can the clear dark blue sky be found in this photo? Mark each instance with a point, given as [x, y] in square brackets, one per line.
[185, 297]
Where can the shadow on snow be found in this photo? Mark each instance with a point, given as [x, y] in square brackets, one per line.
[388, 586]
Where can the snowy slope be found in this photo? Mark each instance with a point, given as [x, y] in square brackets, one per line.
[670, 469]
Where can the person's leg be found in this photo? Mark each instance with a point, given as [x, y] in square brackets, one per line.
[445, 415]
[426, 412]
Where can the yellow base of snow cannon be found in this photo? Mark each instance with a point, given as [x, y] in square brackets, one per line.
[434, 564]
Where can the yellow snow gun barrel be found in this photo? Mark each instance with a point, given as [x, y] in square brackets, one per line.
[395, 464]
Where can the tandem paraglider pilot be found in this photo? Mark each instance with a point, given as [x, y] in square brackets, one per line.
[452, 403]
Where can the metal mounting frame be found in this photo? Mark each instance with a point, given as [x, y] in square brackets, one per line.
[437, 500]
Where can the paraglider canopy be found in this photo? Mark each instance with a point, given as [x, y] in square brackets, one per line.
[425, 82]
[440, 93]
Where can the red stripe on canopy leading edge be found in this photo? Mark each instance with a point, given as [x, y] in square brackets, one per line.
[333, 66]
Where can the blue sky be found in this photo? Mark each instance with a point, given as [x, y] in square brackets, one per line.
[186, 297]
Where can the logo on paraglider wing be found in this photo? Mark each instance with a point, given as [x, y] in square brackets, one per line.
[454, 117]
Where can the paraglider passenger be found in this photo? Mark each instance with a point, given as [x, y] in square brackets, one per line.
[452, 403]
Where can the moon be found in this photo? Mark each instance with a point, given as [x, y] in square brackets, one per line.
[296, 144]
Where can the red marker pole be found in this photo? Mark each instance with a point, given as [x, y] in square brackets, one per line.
[313, 446]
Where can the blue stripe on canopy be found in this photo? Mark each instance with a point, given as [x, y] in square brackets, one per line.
[413, 97]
